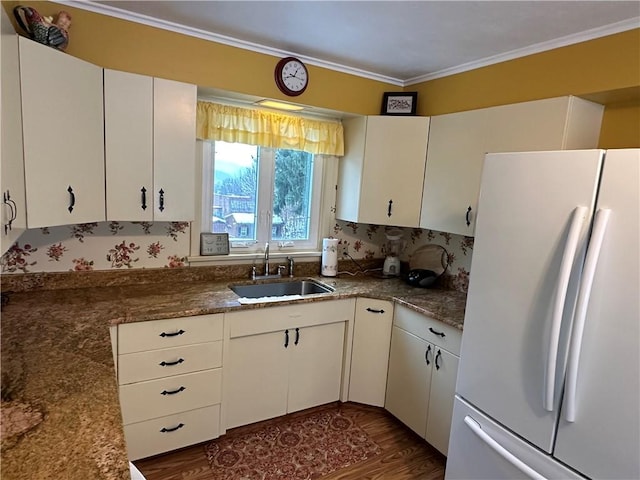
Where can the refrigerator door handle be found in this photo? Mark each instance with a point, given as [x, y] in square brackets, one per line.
[584, 294]
[568, 256]
[500, 450]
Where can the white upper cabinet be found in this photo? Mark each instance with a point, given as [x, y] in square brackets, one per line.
[381, 174]
[150, 148]
[128, 116]
[63, 132]
[14, 214]
[458, 143]
[174, 150]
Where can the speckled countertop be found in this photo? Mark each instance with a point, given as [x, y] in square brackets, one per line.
[60, 410]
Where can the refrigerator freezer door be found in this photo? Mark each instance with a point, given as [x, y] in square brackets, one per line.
[526, 206]
[604, 439]
[481, 449]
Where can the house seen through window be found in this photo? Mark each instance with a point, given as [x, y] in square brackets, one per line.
[260, 194]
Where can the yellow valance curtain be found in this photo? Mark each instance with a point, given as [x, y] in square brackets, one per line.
[268, 129]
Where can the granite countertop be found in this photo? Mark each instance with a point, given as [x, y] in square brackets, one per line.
[60, 409]
[154, 302]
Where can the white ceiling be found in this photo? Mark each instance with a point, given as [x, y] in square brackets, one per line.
[401, 42]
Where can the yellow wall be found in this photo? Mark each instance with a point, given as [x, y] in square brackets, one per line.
[586, 69]
[604, 64]
[122, 45]
[620, 126]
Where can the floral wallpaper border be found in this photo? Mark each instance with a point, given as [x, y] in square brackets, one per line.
[99, 246]
[127, 245]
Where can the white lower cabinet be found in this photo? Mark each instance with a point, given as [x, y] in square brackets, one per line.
[422, 375]
[170, 378]
[164, 434]
[283, 359]
[370, 352]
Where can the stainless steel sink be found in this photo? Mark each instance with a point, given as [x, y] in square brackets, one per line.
[281, 288]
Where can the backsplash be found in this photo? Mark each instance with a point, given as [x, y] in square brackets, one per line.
[134, 245]
[367, 241]
[99, 246]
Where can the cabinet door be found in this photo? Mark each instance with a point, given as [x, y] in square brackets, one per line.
[128, 113]
[452, 175]
[315, 367]
[63, 131]
[528, 126]
[370, 353]
[258, 372]
[14, 218]
[392, 178]
[174, 138]
[409, 379]
[458, 143]
[443, 390]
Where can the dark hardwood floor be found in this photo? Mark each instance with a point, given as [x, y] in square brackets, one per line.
[405, 456]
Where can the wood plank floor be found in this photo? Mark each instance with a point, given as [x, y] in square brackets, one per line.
[405, 456]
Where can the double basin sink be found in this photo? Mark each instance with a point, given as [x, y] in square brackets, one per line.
[281, 288]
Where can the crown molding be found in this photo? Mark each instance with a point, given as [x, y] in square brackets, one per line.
[591, 34]
[532, 49]
[223, 39]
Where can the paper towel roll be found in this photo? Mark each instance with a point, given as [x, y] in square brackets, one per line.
[329, 257]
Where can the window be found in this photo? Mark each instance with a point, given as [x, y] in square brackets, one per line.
[258, 195]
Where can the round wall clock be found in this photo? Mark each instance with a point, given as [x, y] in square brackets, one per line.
[291, 76]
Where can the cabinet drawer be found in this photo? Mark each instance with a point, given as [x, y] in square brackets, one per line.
[171, 432]
[428, 329]
[166, 396]
[264, 320]
[172, 332]
[140, 366]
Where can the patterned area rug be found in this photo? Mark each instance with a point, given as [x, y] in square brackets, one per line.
[304, 447]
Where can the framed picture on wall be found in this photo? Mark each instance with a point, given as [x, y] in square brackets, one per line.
[399, 103]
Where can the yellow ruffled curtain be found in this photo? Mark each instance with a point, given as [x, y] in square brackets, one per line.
[268, 129]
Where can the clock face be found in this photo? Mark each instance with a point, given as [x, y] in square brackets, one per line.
[291, 76]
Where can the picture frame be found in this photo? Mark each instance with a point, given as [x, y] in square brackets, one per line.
[399, 103]
[214, 244]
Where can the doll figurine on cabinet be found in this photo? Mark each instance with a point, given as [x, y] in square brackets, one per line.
[41, 29]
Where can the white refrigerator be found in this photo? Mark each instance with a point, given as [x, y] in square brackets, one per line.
[549, 378]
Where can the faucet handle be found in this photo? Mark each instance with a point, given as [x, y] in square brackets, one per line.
[281, 268]
[253, 272]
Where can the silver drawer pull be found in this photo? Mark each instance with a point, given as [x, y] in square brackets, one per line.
[173, 392]
[171, 364]
[173, 429]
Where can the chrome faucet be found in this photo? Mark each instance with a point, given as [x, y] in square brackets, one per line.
[267, 268]
[291, 266]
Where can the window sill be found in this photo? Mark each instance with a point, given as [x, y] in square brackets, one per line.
[250, 258]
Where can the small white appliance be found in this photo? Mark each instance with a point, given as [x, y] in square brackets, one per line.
[393, 247]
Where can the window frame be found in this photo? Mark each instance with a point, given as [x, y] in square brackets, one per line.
[322, 210]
